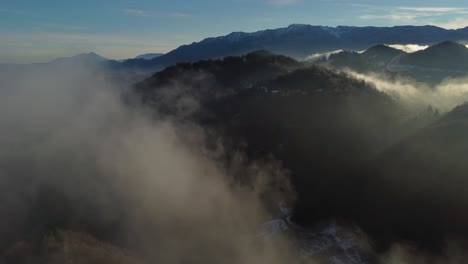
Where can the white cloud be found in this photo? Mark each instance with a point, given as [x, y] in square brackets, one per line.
[445, 96]
[316, 56]
[181, 15]
[446, 17]
[282, 2]
[394, 17]
[456, 23]
[434, 9]
[137, 12]
[409, 47]
[144, 13]
[62, 26]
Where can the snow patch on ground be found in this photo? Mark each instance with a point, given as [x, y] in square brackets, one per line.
[335, 243]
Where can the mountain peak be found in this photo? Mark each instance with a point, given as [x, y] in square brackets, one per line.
[446, 47]
[149, 56]
[379, 47]
[297, 26]
[90, 56]
[382, 49]
[236, 36]
[300, 40]
[447, 44]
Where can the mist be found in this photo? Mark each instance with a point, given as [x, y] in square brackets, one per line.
[410, 48]
[81, 154]
[74, 156]
[317, 56]
[446, 95]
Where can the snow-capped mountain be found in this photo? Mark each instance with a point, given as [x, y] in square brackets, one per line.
[299, 41]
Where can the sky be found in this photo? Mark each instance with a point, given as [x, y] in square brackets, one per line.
[41, 30]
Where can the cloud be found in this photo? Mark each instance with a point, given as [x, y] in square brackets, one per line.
[145, 13]
[62, 26]
[446, 17]
[445, 96]
[456, 23]
[137, 12]
[316, 56]
[396, 17]
[180, 15]
[435, 9]
[12, 11]
[409, 47]
[73, 150]
[282, 2]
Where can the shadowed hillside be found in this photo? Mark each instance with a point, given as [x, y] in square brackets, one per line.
[66, 247]
[418, 186]
[319, 123]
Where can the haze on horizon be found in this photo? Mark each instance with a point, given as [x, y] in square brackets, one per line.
[38, 31]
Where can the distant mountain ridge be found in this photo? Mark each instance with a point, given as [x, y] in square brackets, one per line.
[445, 55]
[149, 56]
[431, 65]
[91, 57]
[299, 41]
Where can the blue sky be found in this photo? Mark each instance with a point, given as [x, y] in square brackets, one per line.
[40, 30]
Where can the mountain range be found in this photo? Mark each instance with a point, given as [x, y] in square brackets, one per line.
[300, 41]
[149, 56]
[348, 146]
[296, 41]
[297, 113]
[431, 65]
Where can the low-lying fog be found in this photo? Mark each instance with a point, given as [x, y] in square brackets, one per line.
[444, 96]
[75, 155]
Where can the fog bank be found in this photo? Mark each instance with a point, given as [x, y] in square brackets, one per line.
[75, 157]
